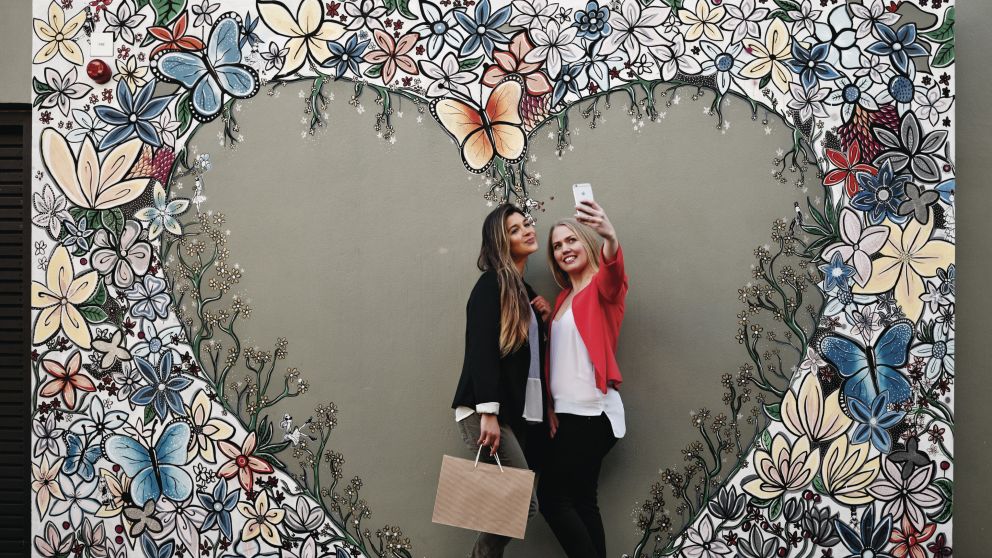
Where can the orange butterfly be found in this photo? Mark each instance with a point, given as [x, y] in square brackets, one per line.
[481, 135]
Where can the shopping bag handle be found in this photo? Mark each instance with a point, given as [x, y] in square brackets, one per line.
[479, 453]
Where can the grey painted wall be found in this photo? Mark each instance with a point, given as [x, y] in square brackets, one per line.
[974, 390]
[368, 274]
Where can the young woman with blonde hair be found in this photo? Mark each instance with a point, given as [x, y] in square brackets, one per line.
[585, 413]
[500, 391]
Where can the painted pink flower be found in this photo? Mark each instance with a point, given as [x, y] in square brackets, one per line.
[511, 61]
[393, 54]
[241, 462]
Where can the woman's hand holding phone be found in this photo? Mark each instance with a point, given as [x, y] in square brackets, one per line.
[590, 213]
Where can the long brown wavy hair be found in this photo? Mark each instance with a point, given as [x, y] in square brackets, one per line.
[514, 307]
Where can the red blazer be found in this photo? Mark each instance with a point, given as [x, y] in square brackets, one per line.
[598, 311]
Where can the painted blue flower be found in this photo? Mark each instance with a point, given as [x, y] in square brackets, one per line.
[571, 80]
[811, 64]
[163, 388]
[134, 117]
[899, 45]
[724, 63]
[946, 191]
[593, 22]
[347, 57]
[153, 550]
[77, 235]
[150, 298]
[880, 196]
[946, 278]
[871, 540]
[874, 422]
[837, 274]
[219, 505]
[437, 29]
[482, 29]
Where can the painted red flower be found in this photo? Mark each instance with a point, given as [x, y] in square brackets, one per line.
[66, 379]
[848, 166]
[512, 62]
[241, 462]
[175, 38]
[909, 541]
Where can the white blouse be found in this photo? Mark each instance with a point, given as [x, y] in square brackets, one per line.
[573, 378]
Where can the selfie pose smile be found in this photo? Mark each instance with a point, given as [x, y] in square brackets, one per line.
[500, 390]
[585, 413]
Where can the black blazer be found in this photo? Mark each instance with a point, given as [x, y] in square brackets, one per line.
[486, 376]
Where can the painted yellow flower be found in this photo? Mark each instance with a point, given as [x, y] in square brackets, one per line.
[262, 520]
[85, 181]
[308, 32]
[117, 496]
[847, 472]
[770, 56]
[57, 34]
[207, 429]
[132, 73]
[58, 297]
[810, 415]
[703, 21]
[907, 257]
[45, 482]
[783, 468]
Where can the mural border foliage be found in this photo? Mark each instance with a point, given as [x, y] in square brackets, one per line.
[153, 429]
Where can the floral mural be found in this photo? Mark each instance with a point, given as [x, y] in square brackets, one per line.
[152, 425]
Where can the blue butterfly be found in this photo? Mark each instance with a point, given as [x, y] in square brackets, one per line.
[80, 457]
[869, 373]
[212, 75]
[156, 471]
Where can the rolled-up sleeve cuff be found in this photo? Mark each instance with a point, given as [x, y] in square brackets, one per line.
[490, 408]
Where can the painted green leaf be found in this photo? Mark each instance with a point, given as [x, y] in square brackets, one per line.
[818, 484]
[93, 314]
[374, 71]
[781, 14]
[945, 32]
[98, 297]
[470, 64]
[184, 113]
[166, 10]
[40, 86]
[944, 56]
[149, 413]
[787, 5]
[766, 440]
[775, 510]
[40, 99]
[402, 6]
[765, 81]
[112, 220]
[774, 411]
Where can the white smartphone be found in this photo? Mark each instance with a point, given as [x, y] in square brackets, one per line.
[582, 192]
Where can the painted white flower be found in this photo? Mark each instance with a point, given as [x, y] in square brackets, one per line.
[204, 13]
[701, 542]
[875, 67]
[932, 104]
[673, 59]
[64, 88]
[533, 13]
[86, 125]
[167, 126]
[857, 244]
[162, 215]
[124, 22]
[867, 17]
[78, 500]
[940, 351]
[554, 46]
[364, 15]
[447, 77]
[743, 20]
[50, 209]
[634, 27]
[808, 102]
[805, 15]
[132, 73]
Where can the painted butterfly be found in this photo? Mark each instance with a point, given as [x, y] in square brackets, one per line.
[212, 75]
[481, 135]
[868, 372]
[155, 471]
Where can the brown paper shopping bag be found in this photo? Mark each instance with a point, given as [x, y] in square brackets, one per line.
[483, 497]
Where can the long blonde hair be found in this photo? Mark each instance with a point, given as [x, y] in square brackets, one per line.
[589, 241]
[514, 306]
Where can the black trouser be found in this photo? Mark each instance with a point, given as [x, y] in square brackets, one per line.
[567, 488]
